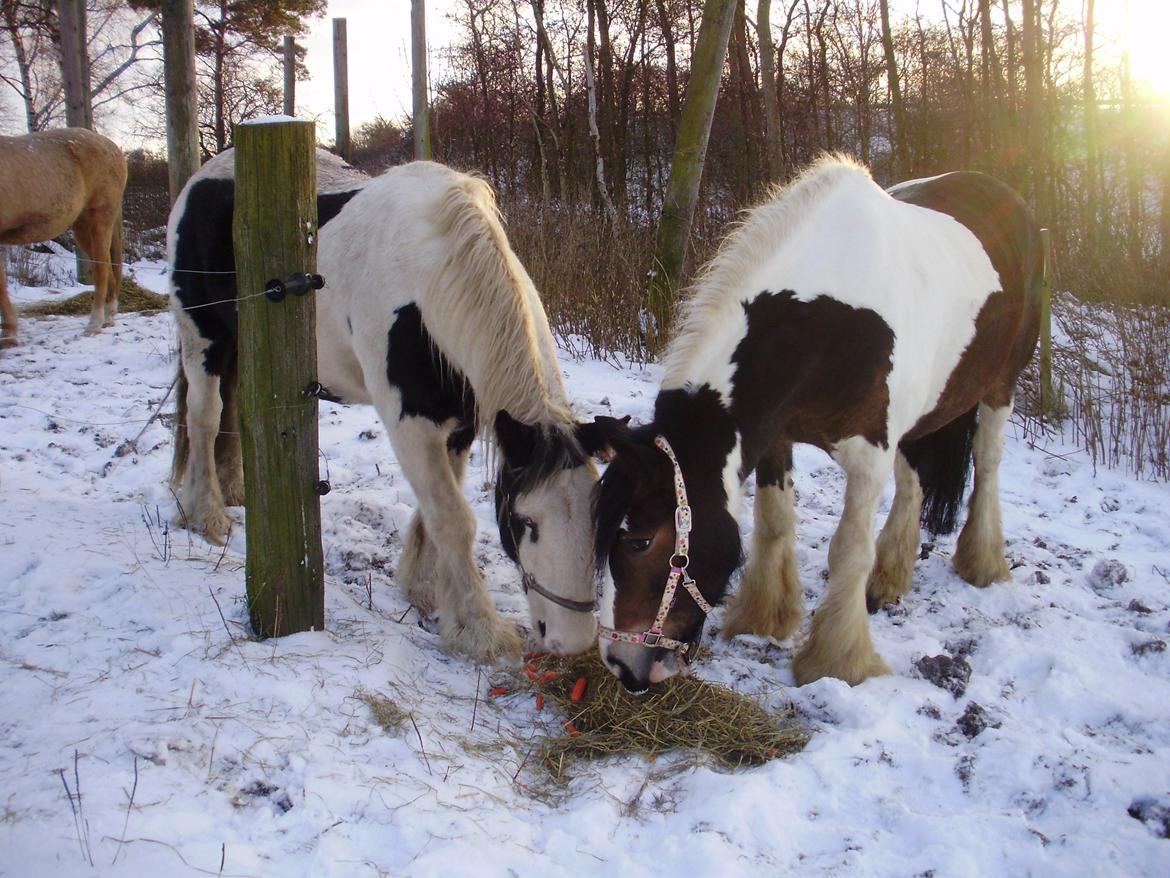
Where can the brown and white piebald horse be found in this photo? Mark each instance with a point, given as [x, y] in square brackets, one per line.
[887, 328]
[53, 181]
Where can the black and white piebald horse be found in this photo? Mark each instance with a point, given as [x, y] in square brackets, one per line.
[429, 316]
[887, 329]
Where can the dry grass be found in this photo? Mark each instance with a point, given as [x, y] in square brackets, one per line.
[685, 715]
[132, 298]
[386, 713]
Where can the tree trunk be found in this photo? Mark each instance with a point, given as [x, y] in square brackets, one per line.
[1092, 143]
[418, 52]
[23, 68]
[772, 139]
[178, 32]
[1034, 110]
[901, 156]
[672, 92]
[594, 131]
[686, 170]
[75, 64]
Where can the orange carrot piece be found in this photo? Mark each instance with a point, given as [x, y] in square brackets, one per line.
[548, 676]
[540, 701]
[532, 655]
[579, 689]
[531, 672]
[571, 729]
[497, 691]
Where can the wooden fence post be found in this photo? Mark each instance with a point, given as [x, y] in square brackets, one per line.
[290, 76]
[341, 89]
[275, 236]
[1047, 393]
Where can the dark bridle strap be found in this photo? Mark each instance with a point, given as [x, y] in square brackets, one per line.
[530, 584]
[653, 636]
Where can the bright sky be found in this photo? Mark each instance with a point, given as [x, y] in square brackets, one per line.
[378, 44]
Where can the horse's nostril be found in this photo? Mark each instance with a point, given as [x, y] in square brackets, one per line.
[543, 628]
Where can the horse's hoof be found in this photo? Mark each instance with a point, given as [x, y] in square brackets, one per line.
[9, 341]
[92, 330]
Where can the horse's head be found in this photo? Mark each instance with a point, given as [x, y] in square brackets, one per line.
[543, 493]
[649, 562]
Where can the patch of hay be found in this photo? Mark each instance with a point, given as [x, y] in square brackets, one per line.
[684, 714]
[132, 298]
[386, 713]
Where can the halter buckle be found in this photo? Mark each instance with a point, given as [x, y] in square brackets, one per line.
[651, 638]
[682, 519]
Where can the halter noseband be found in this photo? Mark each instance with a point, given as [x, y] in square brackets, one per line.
[679, 561]
[529, 582]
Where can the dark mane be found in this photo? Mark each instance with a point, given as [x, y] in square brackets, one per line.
[529, 456]
[634, 460]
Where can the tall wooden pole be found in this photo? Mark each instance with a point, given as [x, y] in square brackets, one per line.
[275, 235]
[418, 52]
[341, 88]
[290, 76]
[178, 32]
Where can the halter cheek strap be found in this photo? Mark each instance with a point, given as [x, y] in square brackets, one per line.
[653, 636]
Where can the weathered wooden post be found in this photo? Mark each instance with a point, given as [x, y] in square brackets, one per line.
[1047, 392]
[418, 53]
[290, 76]
[275, 236]
[341, 88]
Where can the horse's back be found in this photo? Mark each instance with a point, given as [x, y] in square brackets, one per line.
[49, 177]
[995, 214]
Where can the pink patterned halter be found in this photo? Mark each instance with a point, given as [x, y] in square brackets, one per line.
[653, 636]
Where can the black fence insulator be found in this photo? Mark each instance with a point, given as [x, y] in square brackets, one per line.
[322, 488]
[298, 284]
[319, 390]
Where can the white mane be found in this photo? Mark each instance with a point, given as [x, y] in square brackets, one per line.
[489, 316]
[714, 298]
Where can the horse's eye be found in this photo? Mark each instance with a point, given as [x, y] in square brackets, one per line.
[636, 545]
[523, 523]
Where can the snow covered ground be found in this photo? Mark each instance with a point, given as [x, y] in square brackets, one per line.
[143, 733]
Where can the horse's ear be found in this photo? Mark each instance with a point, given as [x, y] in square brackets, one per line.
[517, 440]
[598, 438]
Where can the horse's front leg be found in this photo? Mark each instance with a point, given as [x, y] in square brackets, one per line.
[769, 600]
[468, 622]
[418, 563]
[839, 644]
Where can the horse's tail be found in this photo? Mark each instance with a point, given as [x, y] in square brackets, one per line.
[942, 460]
[182, 445]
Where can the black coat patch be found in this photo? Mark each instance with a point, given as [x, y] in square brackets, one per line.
[430, 386]
[205, 263]
[812, 372]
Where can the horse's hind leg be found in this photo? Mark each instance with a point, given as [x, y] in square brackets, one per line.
[468, 622]
[201, 506]
[7, 311]
[93, 231]
[229, 458]
[839, 644]
[897, 545]
[769, 600]
[418, 563]
[979, 553]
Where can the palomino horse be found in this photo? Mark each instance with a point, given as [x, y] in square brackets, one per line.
[428, 316]
[51, 181]
[887, 329]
